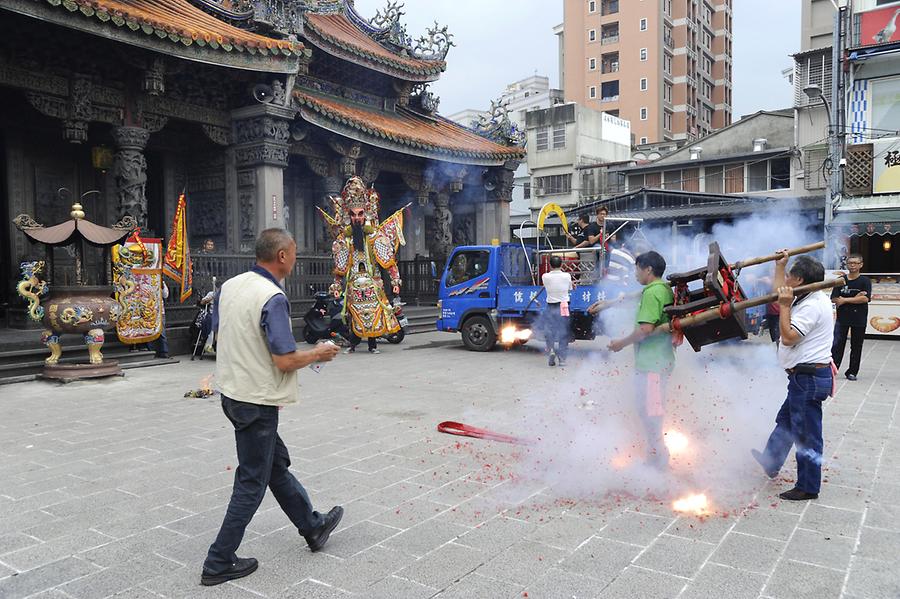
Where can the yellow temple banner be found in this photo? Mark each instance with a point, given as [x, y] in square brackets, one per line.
[137, 272]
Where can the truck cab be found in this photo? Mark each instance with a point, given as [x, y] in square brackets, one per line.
[491, 293]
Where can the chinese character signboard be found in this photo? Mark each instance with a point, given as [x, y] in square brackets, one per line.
[886, 165]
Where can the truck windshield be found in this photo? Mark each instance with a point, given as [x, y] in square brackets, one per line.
[467, 265]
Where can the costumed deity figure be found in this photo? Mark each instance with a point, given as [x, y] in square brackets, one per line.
[362, 247]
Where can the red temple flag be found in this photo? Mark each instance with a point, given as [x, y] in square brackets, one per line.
[177, 264]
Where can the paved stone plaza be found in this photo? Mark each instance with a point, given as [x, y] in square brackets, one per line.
[117, 488]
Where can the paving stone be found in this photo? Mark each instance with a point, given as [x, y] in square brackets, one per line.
[476, 585]
[119, 578]
[794, 579]
[887, 493]
[425, 537]
[444, 566]
[884, 516]
[56, 549]
[690, 554]
[646, 584]
[364, 569]
[746, 552]
[394, 495]
[280, 572]
[639, 529]
[716, 581]
[567, 532]
[772, 524]
[496, 534]
[560, 584]
[409, 514]
[600, 558]
[15, 542]
[846, 498]
[398, 588]
[118, 551]
[875, 543]
[871, 578]
[358, 537]
[522, 562]
[831, 520]
[709, 530]
[830, 551]
[45, 577]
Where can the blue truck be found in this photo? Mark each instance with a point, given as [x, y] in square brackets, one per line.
[493, 293]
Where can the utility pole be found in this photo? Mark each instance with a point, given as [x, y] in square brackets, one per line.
[835, 145]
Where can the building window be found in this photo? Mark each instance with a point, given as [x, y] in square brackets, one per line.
[690, 179]
[559, 136]
[734, 178]
[643, 114]
[592, 6]
[635, 181]
[643, 84]
[780, 173]
[667, 7]
[592, 35]
[667, 120]
[643, 24]
[667, 92]
[554, 184]
[526, 189]
[672, 180]
[592, 92]
[609, 91]
[758, 176]
[643, 140]
[667, 63]
[543, 138]
[713, 179]
[592, 64]
[643, 53]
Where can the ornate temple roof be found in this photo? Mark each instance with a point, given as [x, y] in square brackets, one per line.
[347, 36]
[173, 26]
[404, 131]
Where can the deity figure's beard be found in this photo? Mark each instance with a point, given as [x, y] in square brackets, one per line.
[359, 240]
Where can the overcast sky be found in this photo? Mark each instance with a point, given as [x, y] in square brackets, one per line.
[498, 42]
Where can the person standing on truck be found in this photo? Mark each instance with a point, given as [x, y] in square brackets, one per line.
[558, 284]
[654, 355]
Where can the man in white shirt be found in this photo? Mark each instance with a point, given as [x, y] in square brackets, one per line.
[805, 324]
[556, 315]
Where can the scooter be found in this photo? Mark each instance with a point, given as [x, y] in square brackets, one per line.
[323, 320]
[395, 338]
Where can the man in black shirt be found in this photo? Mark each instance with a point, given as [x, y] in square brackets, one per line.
[584, 229]
[852, 301]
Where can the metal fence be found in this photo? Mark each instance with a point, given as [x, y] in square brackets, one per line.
[311, 274]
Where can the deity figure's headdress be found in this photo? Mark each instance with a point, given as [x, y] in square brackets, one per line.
[354, 196]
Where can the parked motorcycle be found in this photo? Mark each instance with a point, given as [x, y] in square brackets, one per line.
[395, 338]
[323, 320]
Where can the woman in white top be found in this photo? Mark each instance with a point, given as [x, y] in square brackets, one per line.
[556, 316]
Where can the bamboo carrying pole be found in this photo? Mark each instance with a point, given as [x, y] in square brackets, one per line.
[726, 310]
[791, 252]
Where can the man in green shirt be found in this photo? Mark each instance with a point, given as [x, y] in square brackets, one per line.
[654, 355]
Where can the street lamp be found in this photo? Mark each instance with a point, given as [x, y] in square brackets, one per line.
[814, 92]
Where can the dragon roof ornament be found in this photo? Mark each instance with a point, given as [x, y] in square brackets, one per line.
[386, 28]
[497, 126]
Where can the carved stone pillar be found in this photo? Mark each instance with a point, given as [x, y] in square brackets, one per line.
[261, 136]
[442, 244]
[130, 172]
[493, 214]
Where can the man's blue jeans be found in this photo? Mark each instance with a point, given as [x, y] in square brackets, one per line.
[263, 461]
[799, 423]
[556, 330]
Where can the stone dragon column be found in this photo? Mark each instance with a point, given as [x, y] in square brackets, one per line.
[130, 172]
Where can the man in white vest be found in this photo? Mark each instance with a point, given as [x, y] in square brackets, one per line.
[256, 369]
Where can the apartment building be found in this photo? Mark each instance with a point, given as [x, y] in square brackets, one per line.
[663, 65]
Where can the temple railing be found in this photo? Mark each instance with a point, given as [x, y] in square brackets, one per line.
[311, 274]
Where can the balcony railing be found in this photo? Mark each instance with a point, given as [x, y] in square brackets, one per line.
[609, 39]
[669, 42]
[610, 98]
[609, 67]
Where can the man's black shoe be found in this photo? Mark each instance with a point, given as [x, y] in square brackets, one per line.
[759, 458]
[851, 377]
[317, 539]
[796, 494]
[163, 356]
[244, 566]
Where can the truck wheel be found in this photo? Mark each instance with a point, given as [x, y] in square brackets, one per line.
[478, 334]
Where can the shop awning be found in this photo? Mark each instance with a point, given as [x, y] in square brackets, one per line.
[869, 222]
